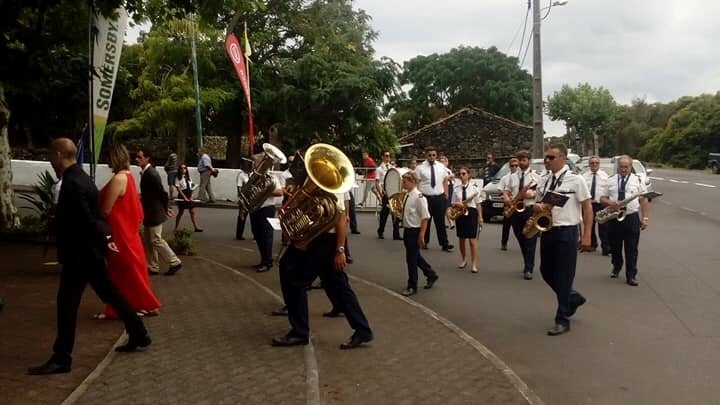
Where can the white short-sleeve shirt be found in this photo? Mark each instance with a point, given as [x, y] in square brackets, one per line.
[634, 185]
[424, 177]
[471, 191]
[415, 209]
[513, 183]
[571, 185]
[600, 179]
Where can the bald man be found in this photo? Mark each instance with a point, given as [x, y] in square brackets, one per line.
[83, 238]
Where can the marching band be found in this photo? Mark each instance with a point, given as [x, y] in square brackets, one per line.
[560, 208]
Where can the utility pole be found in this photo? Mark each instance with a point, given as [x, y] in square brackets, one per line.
[198, 118]
[538, 147]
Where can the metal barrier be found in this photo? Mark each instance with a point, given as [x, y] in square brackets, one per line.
[365, 188]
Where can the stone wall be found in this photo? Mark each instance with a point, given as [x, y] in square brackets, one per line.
[466, 136]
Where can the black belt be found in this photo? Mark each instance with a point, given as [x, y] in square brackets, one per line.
[433, 196]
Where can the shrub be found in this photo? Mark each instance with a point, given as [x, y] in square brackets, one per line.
[181, 242]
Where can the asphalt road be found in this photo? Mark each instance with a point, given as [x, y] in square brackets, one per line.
[658, 343]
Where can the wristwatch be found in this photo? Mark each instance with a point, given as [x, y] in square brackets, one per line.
[340, 249]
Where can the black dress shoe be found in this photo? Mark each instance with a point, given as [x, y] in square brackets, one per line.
[577, 304]
[448, 248]
[51, 367]
[174, 269]
[240, 238]
[153, 273]
[380, 236]
[430, 282]
[558, 329]
[263, 268]
[633, 282]
[134, 344]
[527, 275]
[397, 238]
[356, 340]
[503, 247]
[614, 273]
[349, 260]
[289, 340]
[606, 253]
[333, 314]
[355, 232]
[409, 291]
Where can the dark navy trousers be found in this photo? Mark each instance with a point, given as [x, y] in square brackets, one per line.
[558, 257]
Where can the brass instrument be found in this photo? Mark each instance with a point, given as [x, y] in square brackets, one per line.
[298, 172]
[261, 185]
[518, 204]
[396, 204]
[608, 213]
[453, 213]
[314, 209]
[539, 222]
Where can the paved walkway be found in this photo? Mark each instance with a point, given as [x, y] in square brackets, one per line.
[211, 346]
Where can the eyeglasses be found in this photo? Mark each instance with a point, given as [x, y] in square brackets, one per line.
[550, 157]
[513, 165]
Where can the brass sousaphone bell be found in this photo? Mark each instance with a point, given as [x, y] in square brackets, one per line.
[314, 209]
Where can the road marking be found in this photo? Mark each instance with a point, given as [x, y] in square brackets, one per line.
[312, 373]
[678, 181]
[705, 185]
[657, 178]
[531, 397]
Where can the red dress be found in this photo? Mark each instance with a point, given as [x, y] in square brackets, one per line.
[128, 267]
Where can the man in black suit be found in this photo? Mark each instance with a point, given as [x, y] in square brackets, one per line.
[83, 238]
[155, 210]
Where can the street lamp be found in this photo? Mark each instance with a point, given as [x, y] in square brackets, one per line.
[538, 132]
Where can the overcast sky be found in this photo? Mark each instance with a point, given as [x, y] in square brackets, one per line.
[657, 49]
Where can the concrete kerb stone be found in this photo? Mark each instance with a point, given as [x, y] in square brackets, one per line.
[515, 380]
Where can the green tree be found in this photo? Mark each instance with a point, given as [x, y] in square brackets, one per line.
[586, 110]
[444, 83]
[690, 133]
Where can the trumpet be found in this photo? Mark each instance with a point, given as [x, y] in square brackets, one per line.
[518, 204]
[453, 213]
[539, 222]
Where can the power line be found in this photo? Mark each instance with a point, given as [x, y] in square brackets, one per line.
[522, 39]
[517, 32]
[527, 46]
[548, 9]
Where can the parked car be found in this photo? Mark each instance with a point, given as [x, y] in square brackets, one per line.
[714, 162]
[493, 204]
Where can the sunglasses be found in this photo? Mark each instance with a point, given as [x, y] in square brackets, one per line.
[550, 157]
[386, 155]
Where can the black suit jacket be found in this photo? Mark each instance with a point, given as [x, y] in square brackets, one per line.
[154, 198]
[80, 229]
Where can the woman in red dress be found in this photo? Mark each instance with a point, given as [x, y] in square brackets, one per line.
[120, 203]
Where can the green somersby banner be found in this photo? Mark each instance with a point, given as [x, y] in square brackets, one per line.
[106, 59]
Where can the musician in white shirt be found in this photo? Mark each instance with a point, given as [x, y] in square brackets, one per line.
[524, 180]
[507, 222]
[626, 233]
[431, 183]
[466, 195]
[262, 230]
[381, 171]
[415, 220]
[595, 180]
[559, 245]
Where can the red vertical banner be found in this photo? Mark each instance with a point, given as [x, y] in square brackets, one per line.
[232, 46]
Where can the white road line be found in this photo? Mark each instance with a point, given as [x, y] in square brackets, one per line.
[657, 178]
[705, 185]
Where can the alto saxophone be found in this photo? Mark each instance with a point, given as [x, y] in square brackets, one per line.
[518, 204]
[608, 213]
[453, 213]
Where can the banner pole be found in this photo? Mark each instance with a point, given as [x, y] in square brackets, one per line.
[91, 90]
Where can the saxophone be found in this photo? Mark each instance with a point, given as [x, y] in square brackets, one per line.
[608, 213]
[518, 204]
[261, 185]
[453, 213]
[539, 222]
[314, 208]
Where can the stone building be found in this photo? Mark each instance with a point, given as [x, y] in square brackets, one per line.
[466, 136]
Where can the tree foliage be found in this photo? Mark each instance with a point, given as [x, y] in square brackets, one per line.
[441, 84]
[587, 110]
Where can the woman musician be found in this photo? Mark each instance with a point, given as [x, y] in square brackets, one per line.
[466, 195]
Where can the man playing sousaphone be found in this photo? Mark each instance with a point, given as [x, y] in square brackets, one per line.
[315, 222]
[523, 181]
